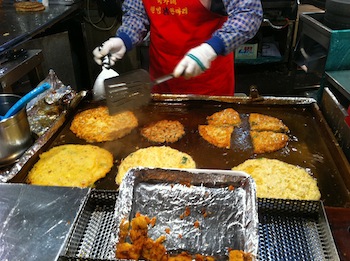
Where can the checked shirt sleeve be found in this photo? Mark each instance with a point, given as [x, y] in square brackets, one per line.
[244, 19]
[135, 23]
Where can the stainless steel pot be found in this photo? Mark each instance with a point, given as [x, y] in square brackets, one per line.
[15, 134]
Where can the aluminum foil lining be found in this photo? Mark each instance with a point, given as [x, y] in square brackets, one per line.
[44, 109]
[231, 220]
[46, 114]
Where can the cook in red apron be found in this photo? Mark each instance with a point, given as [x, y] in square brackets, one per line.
[176, 27]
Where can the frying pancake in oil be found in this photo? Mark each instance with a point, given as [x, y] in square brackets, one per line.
[96, 125]
[219, 136]
[267, 133]
[220, 127]
[268, 141]
[226, 117]
[164, 131]
[261, 122]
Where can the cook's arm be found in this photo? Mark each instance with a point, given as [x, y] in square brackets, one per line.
[131, 32]
[135, 23]
[243, 22]
[244, 19]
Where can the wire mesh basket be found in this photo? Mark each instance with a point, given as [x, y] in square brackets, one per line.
[288, 230]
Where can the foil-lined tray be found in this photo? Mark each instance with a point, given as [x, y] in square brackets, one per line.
[288, 230]
[222, 202]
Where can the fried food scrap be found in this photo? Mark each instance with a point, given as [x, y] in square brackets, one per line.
[204, 213]
[186, 213]
[200, 257]
[231, 187]
[196, 224]
[139, 228]
[164, 131]
[268, 141]
[261, 122]
[219, 136]
[96, 125]
[226, 117]
[141, 246]
[239, 255]
[154, 250]
[183, 256]
[127, 251]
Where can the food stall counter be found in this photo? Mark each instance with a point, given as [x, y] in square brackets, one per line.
[17, 27]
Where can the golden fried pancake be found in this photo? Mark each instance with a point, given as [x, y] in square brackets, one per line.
[277, 179]
[163, 131]
[225, 117]
[268, 141]
[156, 157]
[71, 165]
[96, 125]
[261, 122]
[219, 136]
[220, 127]
[28, 6]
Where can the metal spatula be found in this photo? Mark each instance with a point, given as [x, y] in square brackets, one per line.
[130, 90]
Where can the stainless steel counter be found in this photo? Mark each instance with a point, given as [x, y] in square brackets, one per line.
[17, 27]
[35, 221]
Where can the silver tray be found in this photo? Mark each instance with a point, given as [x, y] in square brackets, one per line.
[227, 197]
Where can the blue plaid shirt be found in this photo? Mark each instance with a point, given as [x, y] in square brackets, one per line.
[244, 19]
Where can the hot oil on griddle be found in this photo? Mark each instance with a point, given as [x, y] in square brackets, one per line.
[306, 147]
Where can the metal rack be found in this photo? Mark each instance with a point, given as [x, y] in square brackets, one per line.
[288, 230]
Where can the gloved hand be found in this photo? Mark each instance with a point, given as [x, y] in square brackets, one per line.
[114, 48]
[195, 62]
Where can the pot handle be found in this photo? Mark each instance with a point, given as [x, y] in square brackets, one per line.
[26, 98]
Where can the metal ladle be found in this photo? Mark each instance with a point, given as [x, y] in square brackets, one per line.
[24, 100]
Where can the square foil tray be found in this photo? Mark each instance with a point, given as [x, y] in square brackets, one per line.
[205, 212]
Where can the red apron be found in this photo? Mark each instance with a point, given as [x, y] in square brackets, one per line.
[176, 27]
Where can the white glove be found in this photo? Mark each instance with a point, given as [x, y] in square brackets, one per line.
[195, 62]
[114, 48]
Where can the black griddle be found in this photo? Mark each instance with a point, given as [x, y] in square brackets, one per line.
[312, 144]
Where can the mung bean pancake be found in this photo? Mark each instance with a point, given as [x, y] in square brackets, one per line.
[220, 127]
[96, 125]
[29, 6]
[261, 122]
[225, 117]
[268, 141]
[164, 131]
[155, 157]
[278, 179]
[219, 136]
[71, 165]
[267, 133]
